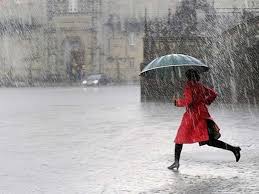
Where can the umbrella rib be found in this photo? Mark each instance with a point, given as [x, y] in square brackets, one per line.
[175, 66]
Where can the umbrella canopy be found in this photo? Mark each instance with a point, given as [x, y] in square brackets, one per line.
[174, 61]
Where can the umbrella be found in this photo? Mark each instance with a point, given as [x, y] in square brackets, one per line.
[174, 62]
[168, 71]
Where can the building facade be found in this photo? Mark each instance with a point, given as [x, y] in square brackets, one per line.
[66, 40]
[23, 48]
[73, 38]
[123, 49]
[83, 39]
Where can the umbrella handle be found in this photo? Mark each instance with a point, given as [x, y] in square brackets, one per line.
[174, 75]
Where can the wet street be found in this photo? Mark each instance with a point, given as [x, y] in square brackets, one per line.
[104, 140]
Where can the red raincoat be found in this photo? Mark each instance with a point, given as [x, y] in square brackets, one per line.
[194, 126]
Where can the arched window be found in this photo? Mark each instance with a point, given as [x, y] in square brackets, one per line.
[73, 6]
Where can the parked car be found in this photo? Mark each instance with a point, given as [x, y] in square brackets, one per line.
[96, 80]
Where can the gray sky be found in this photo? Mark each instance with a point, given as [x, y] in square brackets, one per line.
[236, 3]
[136, 8]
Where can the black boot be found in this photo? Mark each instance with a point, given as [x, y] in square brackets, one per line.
[175, 165]
[177, 154]
[220, 144]
[237, 154]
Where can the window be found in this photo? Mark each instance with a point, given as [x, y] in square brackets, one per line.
[73, 6]
[21, 1]
[131, 62]
[132, 39]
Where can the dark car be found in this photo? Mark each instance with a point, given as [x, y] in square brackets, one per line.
[96, 80]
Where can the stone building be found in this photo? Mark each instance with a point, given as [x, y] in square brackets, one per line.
[84, 39]
[22, 51]
[123, 49]
[73, 33]
[62, 40]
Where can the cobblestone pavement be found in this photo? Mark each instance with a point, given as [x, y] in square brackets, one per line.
[103, 140]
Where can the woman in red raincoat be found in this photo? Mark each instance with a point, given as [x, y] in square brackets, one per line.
[197, 125]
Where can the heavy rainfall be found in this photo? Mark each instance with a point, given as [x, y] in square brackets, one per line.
[78, 116]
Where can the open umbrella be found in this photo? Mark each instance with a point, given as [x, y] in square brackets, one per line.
[166, 74]
[175, 63]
